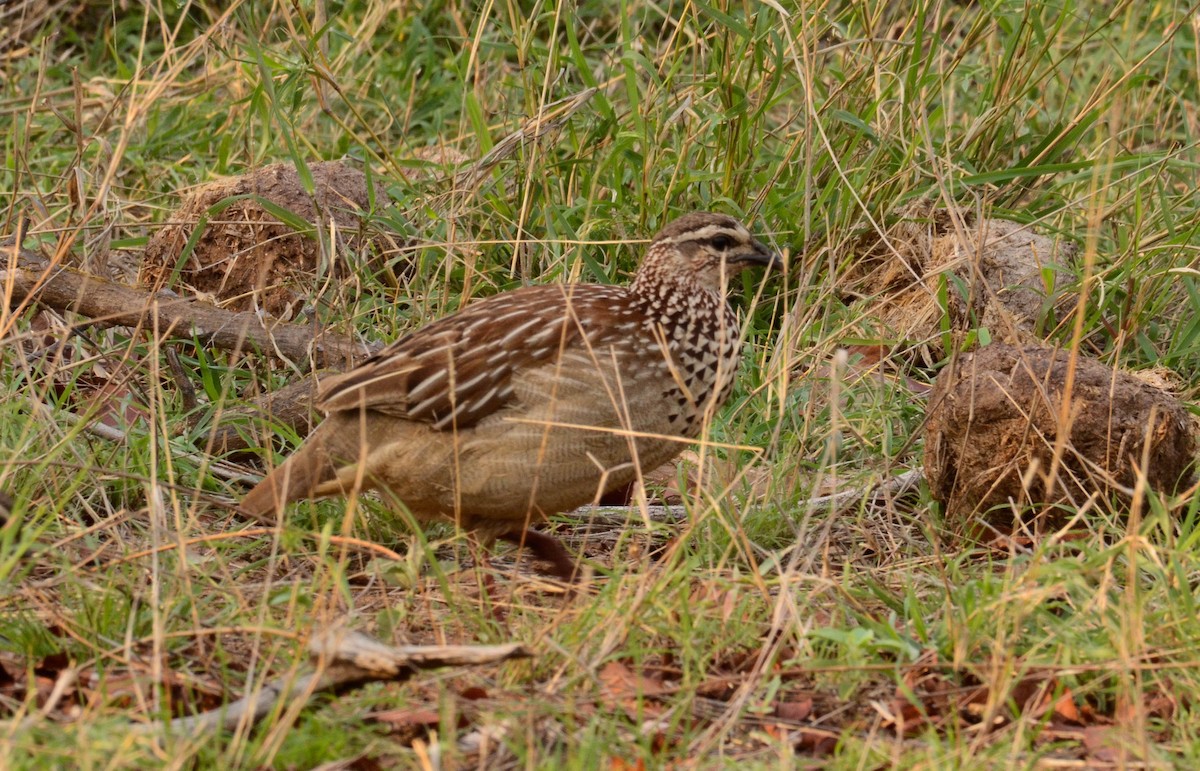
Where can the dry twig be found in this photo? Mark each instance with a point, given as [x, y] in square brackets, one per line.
[343, 660]
[107, 303]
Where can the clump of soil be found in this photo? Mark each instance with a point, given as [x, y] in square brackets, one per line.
[246, 257]
[994, 422]
[999, 274]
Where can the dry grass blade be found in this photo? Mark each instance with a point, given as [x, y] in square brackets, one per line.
[806, 603]
[535, 128]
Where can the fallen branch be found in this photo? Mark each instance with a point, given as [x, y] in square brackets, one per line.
[218, 468]
[892, 486]
[621, 516]
[107, 303]
[342, 660]
[291, 406]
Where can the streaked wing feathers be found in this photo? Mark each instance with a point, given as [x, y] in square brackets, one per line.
[458, 370]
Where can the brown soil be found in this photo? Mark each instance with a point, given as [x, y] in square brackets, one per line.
[246, 257]
[996, 273]
[994, 420]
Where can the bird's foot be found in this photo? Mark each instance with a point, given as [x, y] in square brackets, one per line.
[548, 549]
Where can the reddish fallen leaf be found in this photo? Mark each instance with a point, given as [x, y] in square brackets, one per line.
[1090, 716]
[407, 718]
[365, 763]
[813, 741]
[660, 741]
[1161, 705]
[474, 693]
[114, 403]
[794, 711]
[622, 688]
[52, 665]
[1107, 744]
[1066, 709]
[1033, 697]
[620, 764]
[1157, 704]
[908, 717]
[44, 687]
[1031, 693]
[810, 741]
[924, 696]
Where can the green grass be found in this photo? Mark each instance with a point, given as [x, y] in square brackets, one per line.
[820, 123]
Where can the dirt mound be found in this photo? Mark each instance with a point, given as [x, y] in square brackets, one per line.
[997, 274]
[246, 255]
[996, 419]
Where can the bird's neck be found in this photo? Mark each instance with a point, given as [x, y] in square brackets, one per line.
[664, 297]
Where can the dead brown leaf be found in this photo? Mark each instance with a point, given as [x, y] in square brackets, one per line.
[925, 696]
[810, 741]
[814, 741]
[1066, 709]
[794, 711]
[622, 688]
[1106, 744]
[406, 718]
[1161, 705]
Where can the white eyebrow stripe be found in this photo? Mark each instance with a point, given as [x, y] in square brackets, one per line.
[708, 231]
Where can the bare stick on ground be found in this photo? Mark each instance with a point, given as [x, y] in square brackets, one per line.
[343, 660]
[107, 303]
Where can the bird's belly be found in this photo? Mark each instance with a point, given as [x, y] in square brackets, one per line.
[563, 443]
[553, 469]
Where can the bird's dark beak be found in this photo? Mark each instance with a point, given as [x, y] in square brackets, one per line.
[762, 256]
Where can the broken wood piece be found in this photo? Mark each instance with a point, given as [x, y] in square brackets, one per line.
[292, 406]
[342, 660]
[107, 303]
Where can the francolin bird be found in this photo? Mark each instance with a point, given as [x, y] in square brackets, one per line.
[538, 400]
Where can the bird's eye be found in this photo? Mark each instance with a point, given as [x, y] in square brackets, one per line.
[721, 243]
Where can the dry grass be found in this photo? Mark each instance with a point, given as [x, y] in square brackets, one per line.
[752, 627]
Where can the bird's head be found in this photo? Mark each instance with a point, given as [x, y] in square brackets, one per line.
[705, 250]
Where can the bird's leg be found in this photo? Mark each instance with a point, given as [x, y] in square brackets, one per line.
[546, 548]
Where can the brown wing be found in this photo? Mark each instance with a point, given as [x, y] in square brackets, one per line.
[457, 370]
